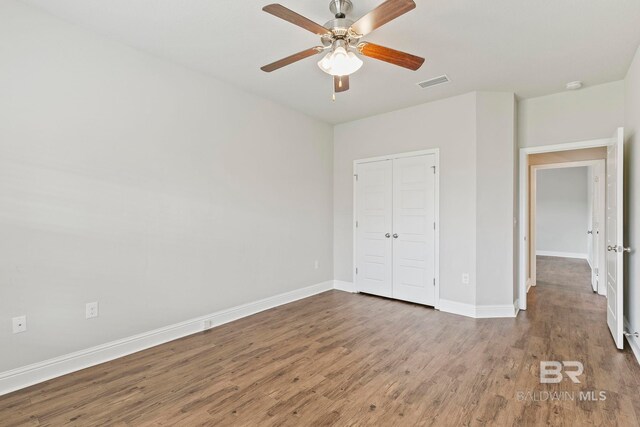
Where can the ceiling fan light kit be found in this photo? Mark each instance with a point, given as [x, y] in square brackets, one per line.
[341, 37]
[339, 61]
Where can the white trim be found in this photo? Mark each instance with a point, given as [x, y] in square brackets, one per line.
[563, 254]
[572, 164]
[479, 311]
[495, 311]
[592, 143]
[523, 166]
[436, 303]
[634, 342]
[26, 376]
[341, 285]
[455, 307]
[436, 153]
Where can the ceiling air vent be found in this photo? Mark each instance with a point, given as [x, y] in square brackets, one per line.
[434, 81]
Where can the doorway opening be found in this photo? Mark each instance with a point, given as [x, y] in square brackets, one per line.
[601, 251]
[567, 212]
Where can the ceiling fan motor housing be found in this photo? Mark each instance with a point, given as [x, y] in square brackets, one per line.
[339, 30]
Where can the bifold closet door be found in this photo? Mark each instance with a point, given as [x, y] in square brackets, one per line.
[374, 227]
[414, 229]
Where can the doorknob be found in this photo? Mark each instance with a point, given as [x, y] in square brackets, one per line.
[612, 248]
[387, 235]
[395, 235]
[590, 232]
[627, 250]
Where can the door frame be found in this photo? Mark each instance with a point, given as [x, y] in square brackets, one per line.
[533, 190]
[523, 207]
[436, 153]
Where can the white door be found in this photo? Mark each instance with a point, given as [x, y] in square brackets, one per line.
[374, 227]
[614, 236]
[414, 229]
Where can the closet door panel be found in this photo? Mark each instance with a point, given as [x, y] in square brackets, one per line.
[414, 229]
[374, 223]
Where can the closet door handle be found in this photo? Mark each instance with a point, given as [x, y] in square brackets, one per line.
[387, 235]
[590, 232]
[395, 235]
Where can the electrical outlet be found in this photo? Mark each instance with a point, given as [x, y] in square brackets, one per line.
[465, 278]
[91, 310]
[19, 324]
[316, 264]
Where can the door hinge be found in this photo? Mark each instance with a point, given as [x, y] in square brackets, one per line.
[356, 175]
[595, 270]
[356, 224]
[434, 281]
[434, 169]
[434, 225]
[356, 270]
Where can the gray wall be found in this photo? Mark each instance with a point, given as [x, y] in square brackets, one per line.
[157, 191]
[562, 210]
[590, 113]
[632, 199]
[495, 171]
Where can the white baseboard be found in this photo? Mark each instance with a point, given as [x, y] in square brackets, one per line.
[494, 311]
[634, 342]
[563, 254]
[26, 376]
[479, 311]
[341, 285]
[455, 307]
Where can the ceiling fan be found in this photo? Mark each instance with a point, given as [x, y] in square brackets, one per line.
[341, 37]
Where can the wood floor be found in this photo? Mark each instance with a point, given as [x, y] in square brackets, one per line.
[343, 359]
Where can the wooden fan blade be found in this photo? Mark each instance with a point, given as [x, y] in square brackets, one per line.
[391, 56]
[340, 83]
[382, 14]
[296, 19]
[291, 59]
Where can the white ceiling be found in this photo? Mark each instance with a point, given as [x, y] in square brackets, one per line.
[530, 47]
